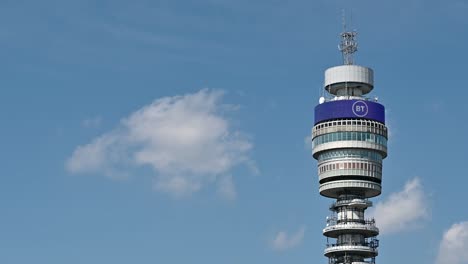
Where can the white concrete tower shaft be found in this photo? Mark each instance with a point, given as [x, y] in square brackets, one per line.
[349, 141]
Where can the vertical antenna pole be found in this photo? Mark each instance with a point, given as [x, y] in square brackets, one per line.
[343, 19]
[348, 45]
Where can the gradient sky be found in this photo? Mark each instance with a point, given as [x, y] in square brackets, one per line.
[76, 74]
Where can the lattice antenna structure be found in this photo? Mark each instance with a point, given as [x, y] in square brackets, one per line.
[348, 45]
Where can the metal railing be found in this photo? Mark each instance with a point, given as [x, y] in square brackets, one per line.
[333, 220]
[349, 260]
[345, 202]
[373, 243]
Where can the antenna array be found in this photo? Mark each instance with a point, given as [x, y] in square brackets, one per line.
[348, 46]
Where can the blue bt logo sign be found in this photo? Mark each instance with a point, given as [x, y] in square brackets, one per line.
[360, 108]
[349, 109]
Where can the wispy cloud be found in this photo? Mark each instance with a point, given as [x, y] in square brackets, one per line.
[402, 210]
[435, 107]
[227, 188]
[284, 241]
[92, 122]
[453, 248]
[391, 125]
[186, 140]
[308, 142]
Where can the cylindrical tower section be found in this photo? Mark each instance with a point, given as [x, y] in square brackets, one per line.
[352, 80]
[349, 140]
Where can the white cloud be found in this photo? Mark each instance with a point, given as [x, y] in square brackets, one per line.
[454, 245]
[284, 241]
[185, 139]
[403, 210]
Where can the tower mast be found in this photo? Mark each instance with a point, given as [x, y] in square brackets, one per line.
[349, 141]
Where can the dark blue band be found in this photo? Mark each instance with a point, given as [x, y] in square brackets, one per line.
[349, 109]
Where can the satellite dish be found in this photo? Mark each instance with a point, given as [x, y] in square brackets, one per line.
[322, 100]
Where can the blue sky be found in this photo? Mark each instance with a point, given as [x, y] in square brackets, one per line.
[89, 175]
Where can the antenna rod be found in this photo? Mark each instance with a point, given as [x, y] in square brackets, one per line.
[348, 45]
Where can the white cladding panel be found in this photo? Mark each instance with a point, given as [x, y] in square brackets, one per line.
[349, 73]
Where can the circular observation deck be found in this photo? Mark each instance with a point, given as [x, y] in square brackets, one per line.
[367, 229]
[353, 262]
[350, 134]
[336, 188]
[344, 140]
[352, 125]
[350, 169]
[365, 251]
[349, 80]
